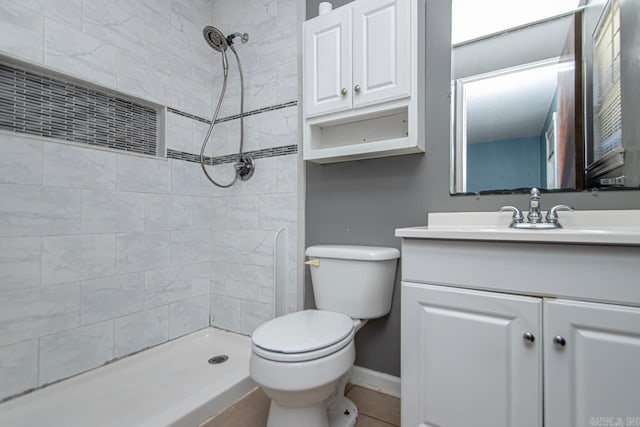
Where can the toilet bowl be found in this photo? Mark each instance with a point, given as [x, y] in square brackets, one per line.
[303, 360]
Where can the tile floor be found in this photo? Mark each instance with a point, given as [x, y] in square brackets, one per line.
[376, 410]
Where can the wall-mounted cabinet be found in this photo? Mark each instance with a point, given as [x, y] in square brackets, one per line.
[363, 74]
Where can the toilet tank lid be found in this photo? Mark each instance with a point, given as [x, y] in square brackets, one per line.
[363, 253]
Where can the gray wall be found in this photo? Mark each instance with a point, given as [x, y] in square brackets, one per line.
[363, 202]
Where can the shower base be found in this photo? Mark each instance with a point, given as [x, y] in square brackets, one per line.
[169, 385]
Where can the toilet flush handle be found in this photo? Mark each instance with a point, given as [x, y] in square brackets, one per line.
[313, 262]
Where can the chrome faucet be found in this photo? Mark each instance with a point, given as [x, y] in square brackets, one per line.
[535, 220]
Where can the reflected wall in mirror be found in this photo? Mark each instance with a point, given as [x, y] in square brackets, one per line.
[539, 95]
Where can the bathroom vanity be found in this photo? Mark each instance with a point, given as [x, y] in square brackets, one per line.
[508, 327]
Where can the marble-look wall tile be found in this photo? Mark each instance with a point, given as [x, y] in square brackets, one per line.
[79, 54]
[278, 210]
[179, 133]
[204, 213]
[166, 212]
[22, 32]
[190, 246]
[109, 21]
[110, 297]
[19, 263]
[243, 213]
[72, 258]
[254, 314]
[141, 330]
[265, 177]
[21, 160]
[32, 313]
[226, 245]
[226, 312]
[68, 353]
[137, 77]
[71, 166]
[257, 247]
[188, 178]
[18, 368]
[143, 174]
[173, 284]
[287, 174]
[33, 211]
[68, 12]
[112, 211]
[188, 316]
[236, 280]
[279, 127]
[136, 252]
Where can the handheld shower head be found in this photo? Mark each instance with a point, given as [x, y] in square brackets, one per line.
[215, 38]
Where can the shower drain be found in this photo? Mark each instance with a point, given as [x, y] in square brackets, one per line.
[216, 360]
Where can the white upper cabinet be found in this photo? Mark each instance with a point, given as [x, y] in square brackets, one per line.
[363, 81]
[381, 51]
[327, 63]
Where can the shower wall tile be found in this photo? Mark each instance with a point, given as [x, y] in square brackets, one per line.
[112, 211]
[167, 212]
[68, 12]
[111, 297]
[279, 128]
[32, 313]
[255, 314]
[190, 246]
[257, 247]
[243, 213]
[79, 54]
[21, 160]
[80, 167]
[68, 353]
[71, 258]
[287, 173]
[226, 246]
[278, 210]
[109, 21]
[18, 368]
[173, 284]
[137, 77]
[143, 174]
[236, 280]
[22, 32]
[203, 213]
[19, 263]
[32, 210]
[138, 331]
[226, 312]
[187, 178]
[137, 252]
[265, 178]
[188, 316]
[179, 133]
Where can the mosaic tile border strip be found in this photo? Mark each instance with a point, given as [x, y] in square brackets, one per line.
[35, 103]
[219, 160]
[236, 116]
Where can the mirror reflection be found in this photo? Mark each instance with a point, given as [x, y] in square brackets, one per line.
[539, 94]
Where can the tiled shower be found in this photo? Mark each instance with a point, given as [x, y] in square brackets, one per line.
[106, 252]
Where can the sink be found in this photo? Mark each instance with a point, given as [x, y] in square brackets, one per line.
[605, 227]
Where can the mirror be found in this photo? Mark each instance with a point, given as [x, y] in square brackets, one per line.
[545, 95]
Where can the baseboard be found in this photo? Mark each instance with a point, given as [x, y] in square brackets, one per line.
[374, 380]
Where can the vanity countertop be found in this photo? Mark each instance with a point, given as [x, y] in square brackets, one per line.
[621, 227]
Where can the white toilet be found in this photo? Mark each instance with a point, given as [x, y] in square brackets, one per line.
[303, 360]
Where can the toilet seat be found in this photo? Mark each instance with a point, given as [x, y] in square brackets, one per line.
[303, 336]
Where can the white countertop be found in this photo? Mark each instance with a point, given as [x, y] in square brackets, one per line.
[620, 227]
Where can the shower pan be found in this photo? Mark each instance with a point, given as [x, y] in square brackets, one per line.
[244, 166]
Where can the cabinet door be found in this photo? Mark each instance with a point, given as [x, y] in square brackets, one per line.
[381, 50]
[465, 359]
[327, 63]
[597, 371]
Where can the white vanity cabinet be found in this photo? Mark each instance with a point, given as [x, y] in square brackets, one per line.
[363, 69]
[521, 329]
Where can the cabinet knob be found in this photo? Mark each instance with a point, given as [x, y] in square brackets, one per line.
[559, 341]
[343, 91]
[528, 337]
[357, 88]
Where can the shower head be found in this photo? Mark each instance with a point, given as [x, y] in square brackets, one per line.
[215, 38]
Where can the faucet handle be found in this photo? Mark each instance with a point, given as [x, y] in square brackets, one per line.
[517, 213]
[552, 215]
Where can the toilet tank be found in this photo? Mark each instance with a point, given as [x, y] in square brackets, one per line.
[354, 280]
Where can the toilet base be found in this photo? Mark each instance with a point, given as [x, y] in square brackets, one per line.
[343, 413]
